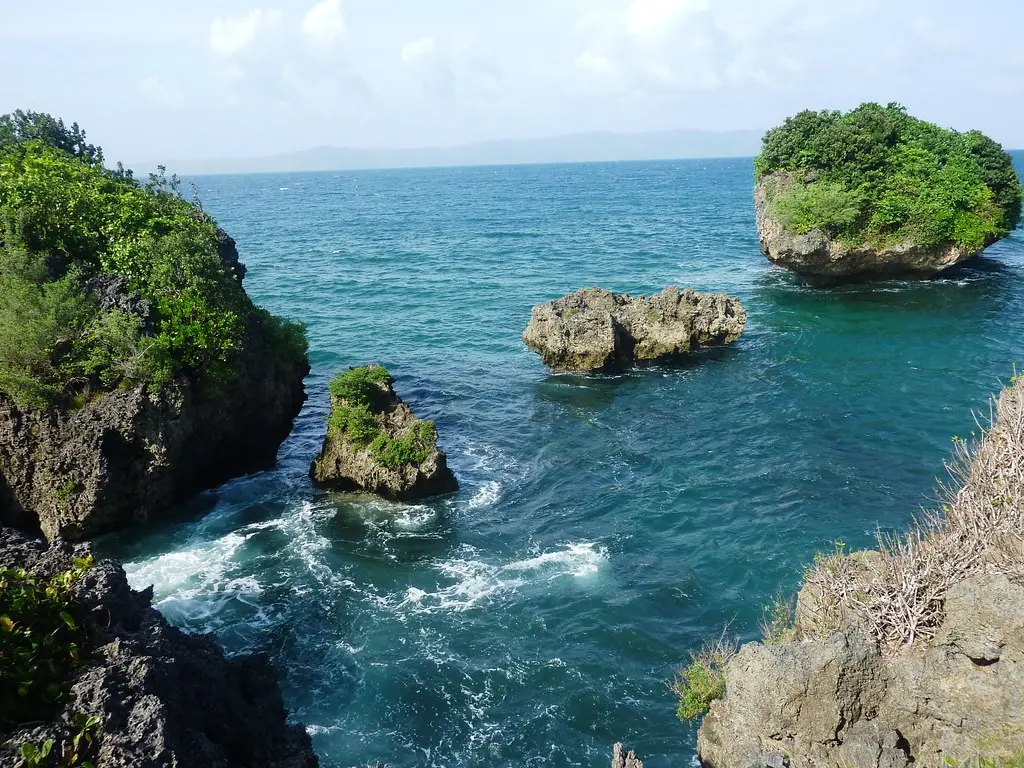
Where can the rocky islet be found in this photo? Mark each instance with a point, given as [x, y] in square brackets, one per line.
[595, 330]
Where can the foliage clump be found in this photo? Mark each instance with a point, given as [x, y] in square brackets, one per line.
[42, 641]
[68, 228]
[878, 176]
[355, 393]
[703, 680]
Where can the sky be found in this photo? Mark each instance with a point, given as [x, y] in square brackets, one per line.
[246, 78]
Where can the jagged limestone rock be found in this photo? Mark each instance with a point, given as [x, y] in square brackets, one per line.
[595, 330]
[163, 697]
[376, 444]
[126, 455]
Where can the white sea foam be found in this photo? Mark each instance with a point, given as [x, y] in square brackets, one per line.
[485, 496]
[188, 573]
[474, 582]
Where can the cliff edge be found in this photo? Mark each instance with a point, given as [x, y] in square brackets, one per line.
[909, 655]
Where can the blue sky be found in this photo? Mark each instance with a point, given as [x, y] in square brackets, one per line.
[236, 78]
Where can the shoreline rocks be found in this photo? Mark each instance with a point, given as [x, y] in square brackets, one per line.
[594, 330]
[161, 697]
[912, 655]
[376, 444]
[128, 454]
[819, 258]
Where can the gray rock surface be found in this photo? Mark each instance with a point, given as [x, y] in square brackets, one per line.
[347, 465]
[840, 702]
[128, 454]
[623, 759]
[595, 330]
[817, 256]
[164, 698]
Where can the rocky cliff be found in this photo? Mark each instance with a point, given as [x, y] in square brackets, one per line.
[126, 455]
[376, 444]
[156, 696]
[820, 257]
[909, 655]
[595, 330]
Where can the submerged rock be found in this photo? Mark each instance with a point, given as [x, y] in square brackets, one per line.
[162, 698]
[596, 330]
[376, 444]
[822, 258]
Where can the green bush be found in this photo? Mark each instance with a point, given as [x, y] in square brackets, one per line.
[411, 449]
[882, 177]
[824, 205]
[356, 391]
[65, 219]
[703, 681]
[42, 639]
[359, 386]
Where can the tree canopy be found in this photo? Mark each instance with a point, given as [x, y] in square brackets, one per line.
[880, 176]
[105, 281]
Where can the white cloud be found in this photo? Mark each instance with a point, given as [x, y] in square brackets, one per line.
[161, 94]
[655, 16]
[325, 24]
[595, 62]
[230, 36]
[417, 49]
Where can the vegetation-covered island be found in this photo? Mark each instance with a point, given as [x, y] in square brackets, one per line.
[876, 192]
[134, 369]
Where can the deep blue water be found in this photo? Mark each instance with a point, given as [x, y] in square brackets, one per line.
[605, 526]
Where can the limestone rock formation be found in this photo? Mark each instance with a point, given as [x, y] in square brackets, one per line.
[163, 698]
[909, 655]
[623, 759]
[128, 454]
[596, 331]
[840, 702]
[376, 444]
[820, 258]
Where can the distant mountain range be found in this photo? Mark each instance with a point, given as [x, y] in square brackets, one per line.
[580, 147]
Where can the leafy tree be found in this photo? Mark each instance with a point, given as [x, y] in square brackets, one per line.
[66, 225]
[19, 127]
[878, 175]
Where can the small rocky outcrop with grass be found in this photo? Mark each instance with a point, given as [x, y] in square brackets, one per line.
[912, 654]
[375, 444]
[90, 673]
[596, 330]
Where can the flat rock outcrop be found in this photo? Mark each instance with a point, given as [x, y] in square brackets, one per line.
[163, 698]
[821, 258]
[126, 455]
[376, 444]
[595, 330]
[908, 655]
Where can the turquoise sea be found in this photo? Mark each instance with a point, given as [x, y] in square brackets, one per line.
[605, 526]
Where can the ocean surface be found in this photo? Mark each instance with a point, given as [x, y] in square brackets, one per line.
[606, 525]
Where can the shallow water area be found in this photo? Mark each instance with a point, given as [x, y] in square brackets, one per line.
[605, 525]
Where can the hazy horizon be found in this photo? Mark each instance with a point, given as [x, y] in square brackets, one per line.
[242, 79]
[582, 147]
